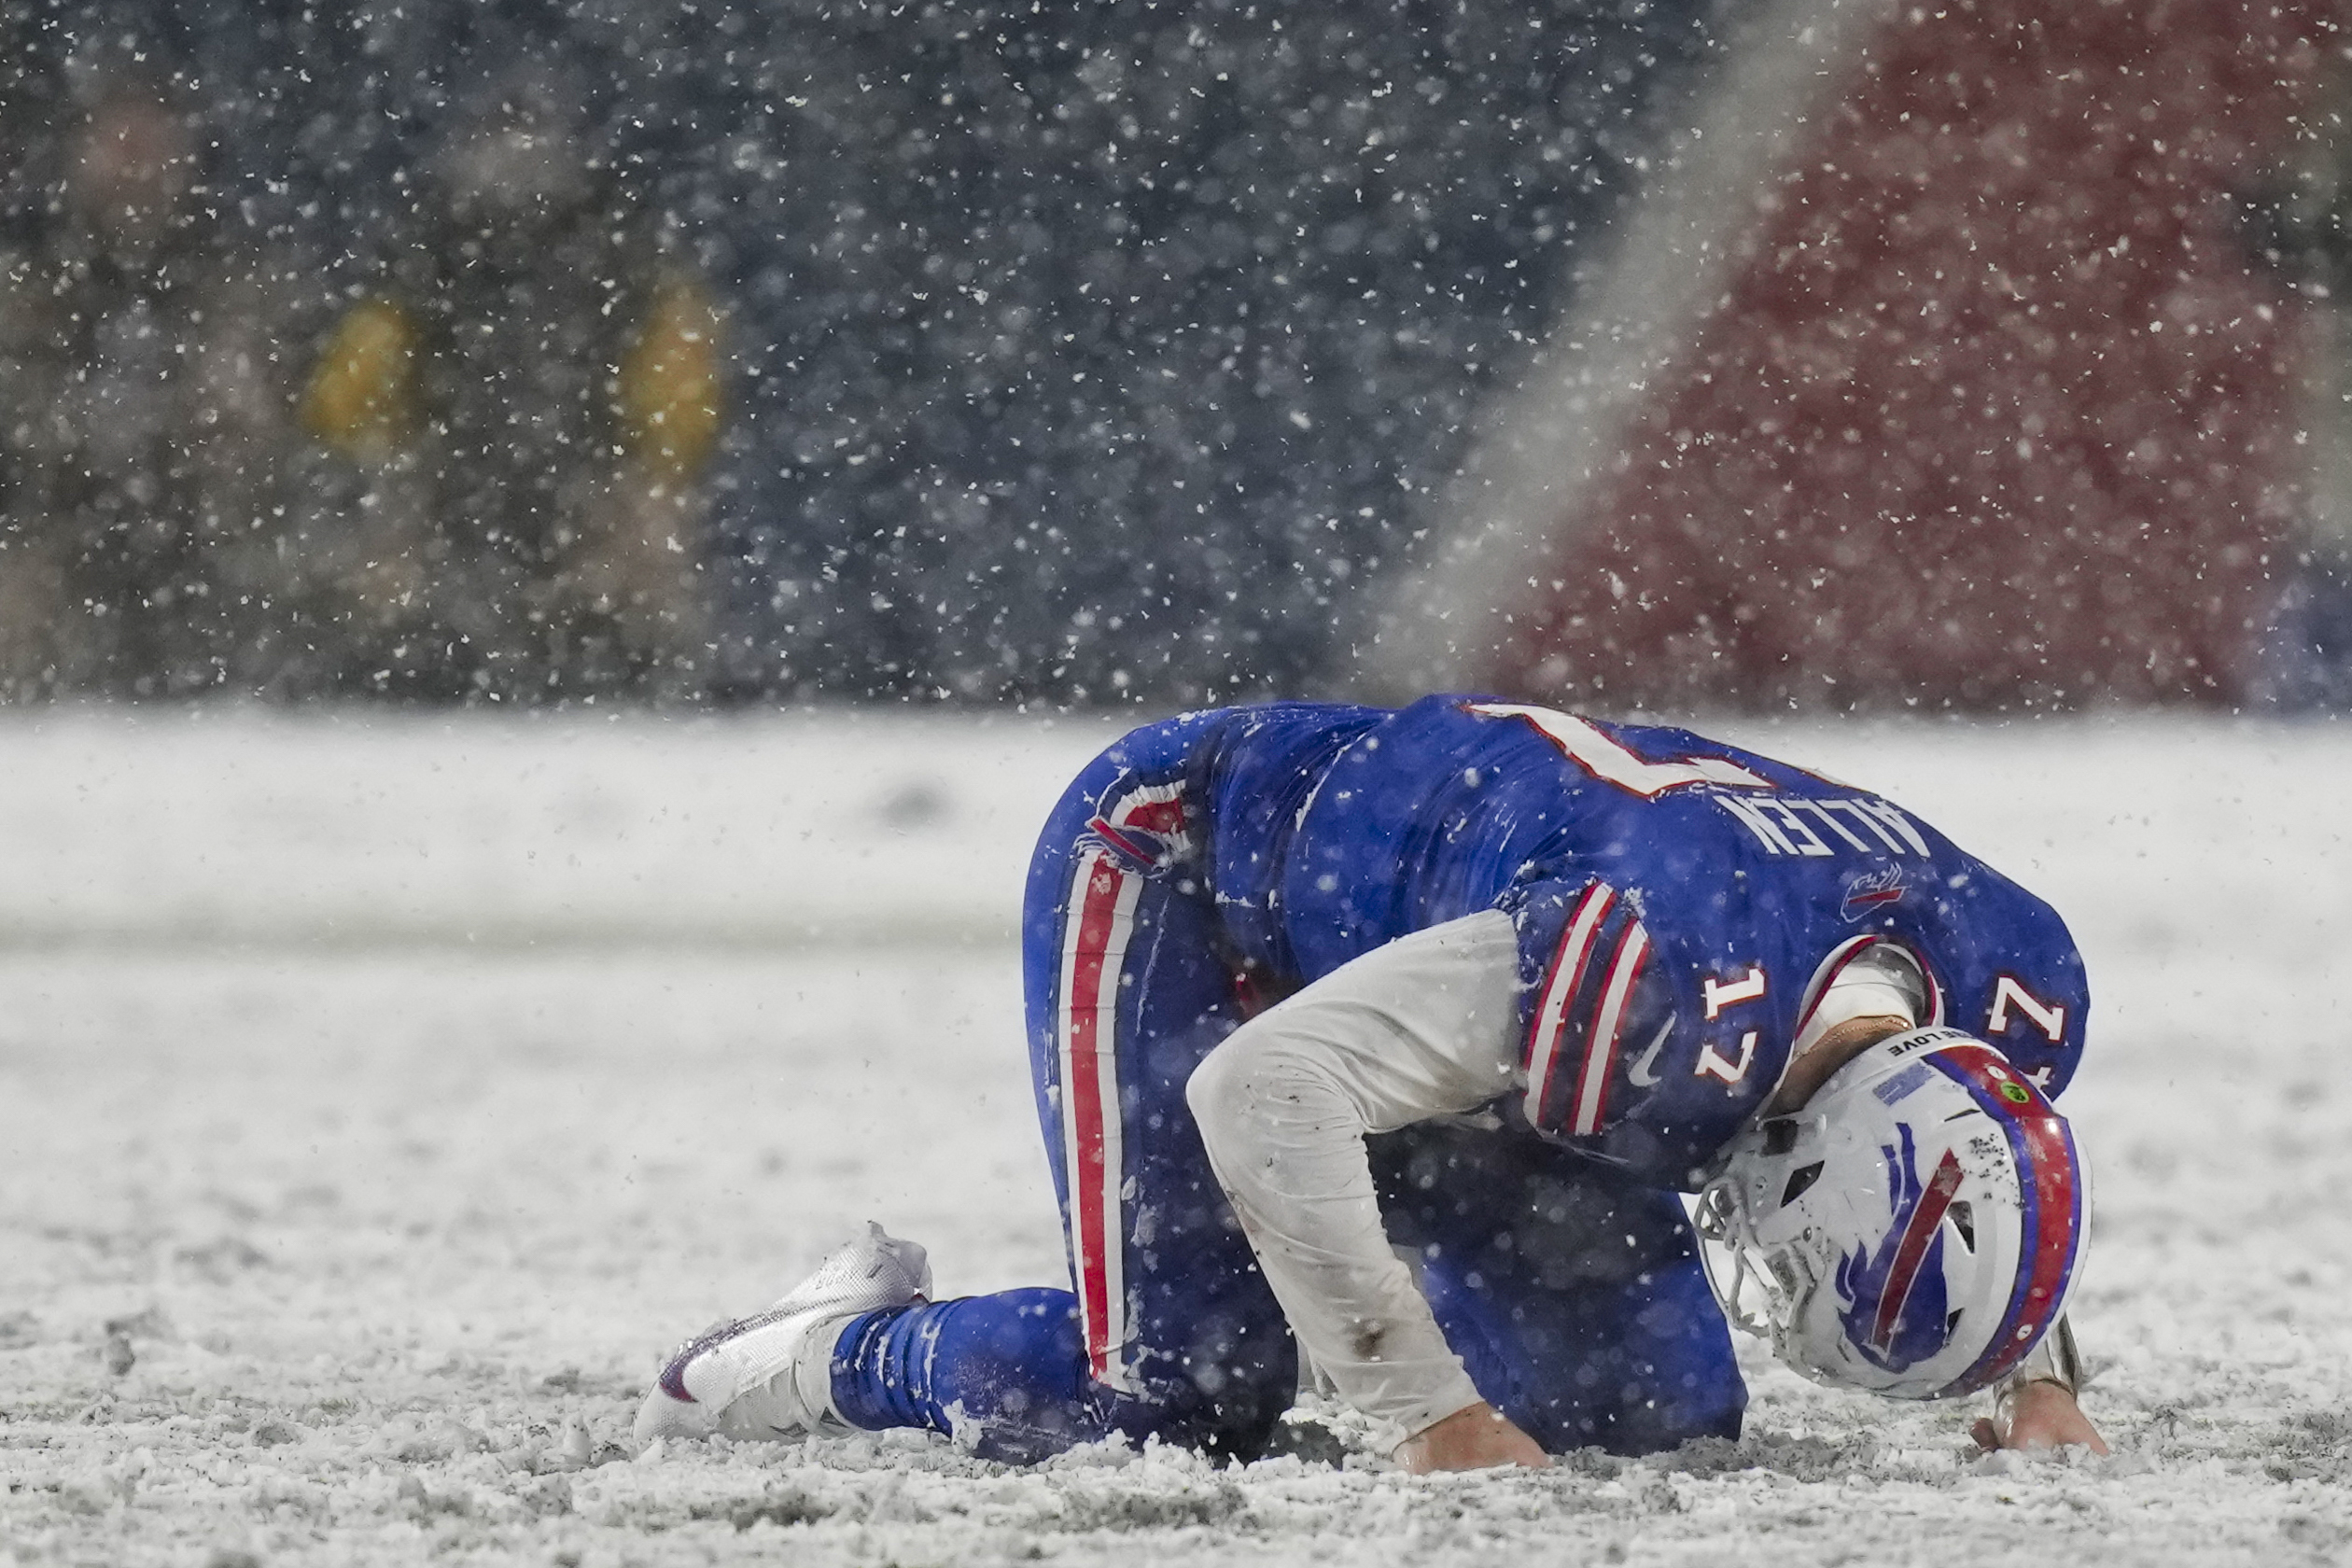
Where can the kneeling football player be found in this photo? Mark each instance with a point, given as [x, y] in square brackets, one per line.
[1389, 1039]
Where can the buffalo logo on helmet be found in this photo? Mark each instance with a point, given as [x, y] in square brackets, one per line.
[1896, 1313]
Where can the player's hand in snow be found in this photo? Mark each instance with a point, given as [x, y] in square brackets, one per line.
[1476, 1437]
[2042, 1415]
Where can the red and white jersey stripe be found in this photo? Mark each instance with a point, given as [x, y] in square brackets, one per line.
[1096, 926]
[1580, 1011]
[1562, 980]
[1608, 1024]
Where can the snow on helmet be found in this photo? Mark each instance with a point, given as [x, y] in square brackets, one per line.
[1913, 1230]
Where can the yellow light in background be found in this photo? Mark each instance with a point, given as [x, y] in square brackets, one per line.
[669, 385]
[361, 399]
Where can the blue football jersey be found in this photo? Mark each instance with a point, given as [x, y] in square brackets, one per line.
[1682, 904]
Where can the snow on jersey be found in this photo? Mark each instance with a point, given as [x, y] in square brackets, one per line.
[1682, 904]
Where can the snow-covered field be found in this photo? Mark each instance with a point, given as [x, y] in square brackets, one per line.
[380, 1097]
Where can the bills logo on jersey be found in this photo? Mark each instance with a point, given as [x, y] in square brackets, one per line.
[1146, 825]
[1895, 1313]
[1871, 890]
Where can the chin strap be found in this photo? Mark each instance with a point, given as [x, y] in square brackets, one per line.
[2055, 1360]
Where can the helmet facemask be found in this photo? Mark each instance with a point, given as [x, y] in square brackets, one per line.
[1762, 1287]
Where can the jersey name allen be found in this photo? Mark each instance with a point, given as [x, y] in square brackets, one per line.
[1795, 825]
[1773, 817]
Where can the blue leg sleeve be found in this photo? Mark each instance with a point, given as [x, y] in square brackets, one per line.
[1003, 1374]
[1634, 1367]
[1573, 1295]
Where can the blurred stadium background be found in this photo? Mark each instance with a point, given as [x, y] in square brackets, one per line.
[1812, 353]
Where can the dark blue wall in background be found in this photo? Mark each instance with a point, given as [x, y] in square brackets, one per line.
[1083, 350]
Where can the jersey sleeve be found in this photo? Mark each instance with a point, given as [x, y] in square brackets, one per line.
[1425, 1026]
[1582, 954]
[2007, 970]
[1635, 1055]
[1657, 1016]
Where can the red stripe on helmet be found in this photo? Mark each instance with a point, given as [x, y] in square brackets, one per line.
[2043, 1147]
[1911, 1251]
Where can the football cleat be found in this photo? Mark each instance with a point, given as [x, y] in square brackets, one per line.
[770, 1376]
[1913, 1231]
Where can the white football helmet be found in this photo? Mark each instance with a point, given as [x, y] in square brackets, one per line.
[1913, 1230]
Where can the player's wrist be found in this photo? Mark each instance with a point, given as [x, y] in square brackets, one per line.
[2053, 1372]
[2056, 1359]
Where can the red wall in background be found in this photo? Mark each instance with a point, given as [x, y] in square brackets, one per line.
[1999, 408]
